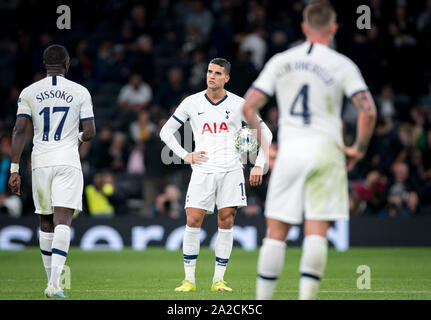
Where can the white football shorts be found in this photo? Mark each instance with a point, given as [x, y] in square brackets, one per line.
[309, 179]
[58, 186]
[224, 189]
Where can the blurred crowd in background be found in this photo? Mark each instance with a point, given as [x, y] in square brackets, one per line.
[140, 59]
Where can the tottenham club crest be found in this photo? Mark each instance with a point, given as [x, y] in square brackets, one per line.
[227, 114]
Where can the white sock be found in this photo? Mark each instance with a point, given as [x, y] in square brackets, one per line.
[191, 246]
[45, 243]
[312, 266]
[270, 263]
[60, 248]
[223, 249]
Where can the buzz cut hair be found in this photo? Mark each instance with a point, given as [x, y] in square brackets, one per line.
[55, 55]
[319, 14]
[222, 63]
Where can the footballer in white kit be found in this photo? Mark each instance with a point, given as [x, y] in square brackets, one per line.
[55, 106]
[309, 179]
[217, 178]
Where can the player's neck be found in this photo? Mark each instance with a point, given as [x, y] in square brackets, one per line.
[50, 73]
[324, 39]
[216, 95]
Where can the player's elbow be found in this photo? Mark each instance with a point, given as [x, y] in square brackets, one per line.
[89, 132]
[247, 110]
[164, 134]
[371, 115]
[269, 135]
[20, 126]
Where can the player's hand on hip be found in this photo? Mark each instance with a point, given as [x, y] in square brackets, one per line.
[256, 176]
[197, 157]
[15, 183]
[353, 156]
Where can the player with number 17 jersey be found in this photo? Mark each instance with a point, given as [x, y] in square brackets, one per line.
[55, 105]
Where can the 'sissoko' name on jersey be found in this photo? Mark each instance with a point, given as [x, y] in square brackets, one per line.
[58, 94]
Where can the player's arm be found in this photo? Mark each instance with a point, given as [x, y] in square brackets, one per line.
[257, 96]
[261, 163]
[254, 100]
[365, 125]
[167, 135]
[18, 142]
[88, 131]
[87, 118]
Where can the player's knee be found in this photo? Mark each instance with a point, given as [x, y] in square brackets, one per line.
[47, 226]
[226, 221]
[46, 223]
[194, 221]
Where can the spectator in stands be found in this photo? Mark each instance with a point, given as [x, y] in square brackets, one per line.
[424, 19]
[385, 146]
[254, 44]
[117, 152]
[193, 40]
[155, 177]
[278, 43]
[198, 70]
[138, 22]
[168, 204]
[8, 110]
[142, 128]
[136, 162]
[142, 59]
[135, 96]
[402, 198]
[371, 192]
[99, 196]
[99, 153]
[386, 103]
[81, 66]
[170, 93]
[199, 18]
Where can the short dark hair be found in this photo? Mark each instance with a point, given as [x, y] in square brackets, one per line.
[319, 14]
[222, 63]
[55, 55]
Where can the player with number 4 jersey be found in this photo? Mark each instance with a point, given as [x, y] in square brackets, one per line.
[309, 179]
[55, 106]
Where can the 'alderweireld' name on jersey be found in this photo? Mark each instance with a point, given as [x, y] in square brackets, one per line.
[310, 81]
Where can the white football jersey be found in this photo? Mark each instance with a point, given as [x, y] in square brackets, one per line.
[214, 126]
[55, 105]
[309, 82]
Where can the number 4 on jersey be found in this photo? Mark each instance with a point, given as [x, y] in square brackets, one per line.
[305, 113]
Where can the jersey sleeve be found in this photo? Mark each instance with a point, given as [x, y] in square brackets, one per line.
[352, 80]
[86, 107]
[265, 82]
[181, 114]
[24, 109]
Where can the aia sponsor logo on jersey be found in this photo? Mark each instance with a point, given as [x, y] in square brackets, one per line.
[214, 127]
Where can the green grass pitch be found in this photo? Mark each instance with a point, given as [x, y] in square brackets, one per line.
[396, 273]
